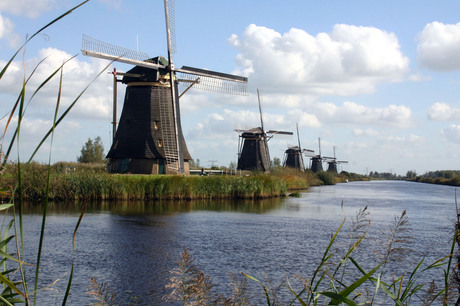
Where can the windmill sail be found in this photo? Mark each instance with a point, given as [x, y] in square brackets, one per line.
[172, 138]
[209, 80]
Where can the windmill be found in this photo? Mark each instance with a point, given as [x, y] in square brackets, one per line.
[332, 162]
[317, 160]
[293, 155]
[149, 137]
[253, 151]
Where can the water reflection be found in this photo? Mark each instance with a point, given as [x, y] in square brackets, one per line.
[126, 208]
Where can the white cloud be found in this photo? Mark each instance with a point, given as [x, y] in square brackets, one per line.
[6, 26]
[452, 133]
[405, 140]
[353, 113]
[439, 46]
[7, 32]
[93, 108]
[350, 60]
[443, 112]
[366, 132]
[303, 118]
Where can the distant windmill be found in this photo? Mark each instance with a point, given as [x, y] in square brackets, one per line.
[332, 162]
[253, 151]
[317, 160]
[293, 156]
[149, 138]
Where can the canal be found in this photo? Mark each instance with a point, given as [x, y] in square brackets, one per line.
[132, 246]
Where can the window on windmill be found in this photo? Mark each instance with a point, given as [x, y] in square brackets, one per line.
[160, 143]
[155, 125]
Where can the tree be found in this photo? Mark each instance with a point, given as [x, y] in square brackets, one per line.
[92, 151]
[276, 162]
[194, 164]
[411, 174]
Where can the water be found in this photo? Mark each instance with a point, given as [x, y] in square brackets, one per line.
[132, 246]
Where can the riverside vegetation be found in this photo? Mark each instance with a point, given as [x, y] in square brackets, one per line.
[187, 284]
[440, 177]
[76, 181]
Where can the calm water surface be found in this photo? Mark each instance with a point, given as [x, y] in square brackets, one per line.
[132, 246]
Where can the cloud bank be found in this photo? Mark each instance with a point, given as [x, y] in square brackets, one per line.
[350, 60]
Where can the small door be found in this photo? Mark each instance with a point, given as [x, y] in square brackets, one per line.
[161, 166]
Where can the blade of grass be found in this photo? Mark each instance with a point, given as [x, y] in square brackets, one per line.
[45, 206]
[324, 259]
[337, 297]
[69, 284]
[36, 33]
[20, 248]
[64, 114]
[267, 294]
[18, 100]
[344, 293]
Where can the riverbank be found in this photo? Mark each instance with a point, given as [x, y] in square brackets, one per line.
[454, 181]
[69, 182]
[439, 177]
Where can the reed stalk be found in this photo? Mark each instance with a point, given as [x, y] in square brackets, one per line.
[19, 190]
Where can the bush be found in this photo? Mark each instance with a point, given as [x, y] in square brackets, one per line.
[326, 177]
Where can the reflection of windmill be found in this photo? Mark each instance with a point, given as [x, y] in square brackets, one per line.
[149, 138]
[332, 162]
[253, 151]
[293, 155]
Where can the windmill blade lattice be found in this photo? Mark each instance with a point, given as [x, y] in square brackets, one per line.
[101, 49]
[171, 20]
[214, 81]
[168, 131]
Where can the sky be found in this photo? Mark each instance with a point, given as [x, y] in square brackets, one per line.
[377, 80]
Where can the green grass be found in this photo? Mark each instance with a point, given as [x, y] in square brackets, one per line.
[83, 184]
[75, 181]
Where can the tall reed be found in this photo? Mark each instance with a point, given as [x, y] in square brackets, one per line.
[340, 279]
[20, 288]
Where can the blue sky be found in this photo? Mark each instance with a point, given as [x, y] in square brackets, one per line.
[376, 79]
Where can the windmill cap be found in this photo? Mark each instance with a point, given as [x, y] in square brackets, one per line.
[146, 74]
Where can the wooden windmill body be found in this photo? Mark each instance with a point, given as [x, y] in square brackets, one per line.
[139, 143]
[293, 156]
[149, 138]
[316, 161]
[332, 163]
[253, 148]
[253, 153]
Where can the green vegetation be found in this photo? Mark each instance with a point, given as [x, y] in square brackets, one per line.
[384, 176]
[441, 177]
[94, 183]
[92, 152]
[91, 181]
[17, 287]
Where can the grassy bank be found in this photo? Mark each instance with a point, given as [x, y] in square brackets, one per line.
[94, 183]
[450, 181]
[73, 181]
